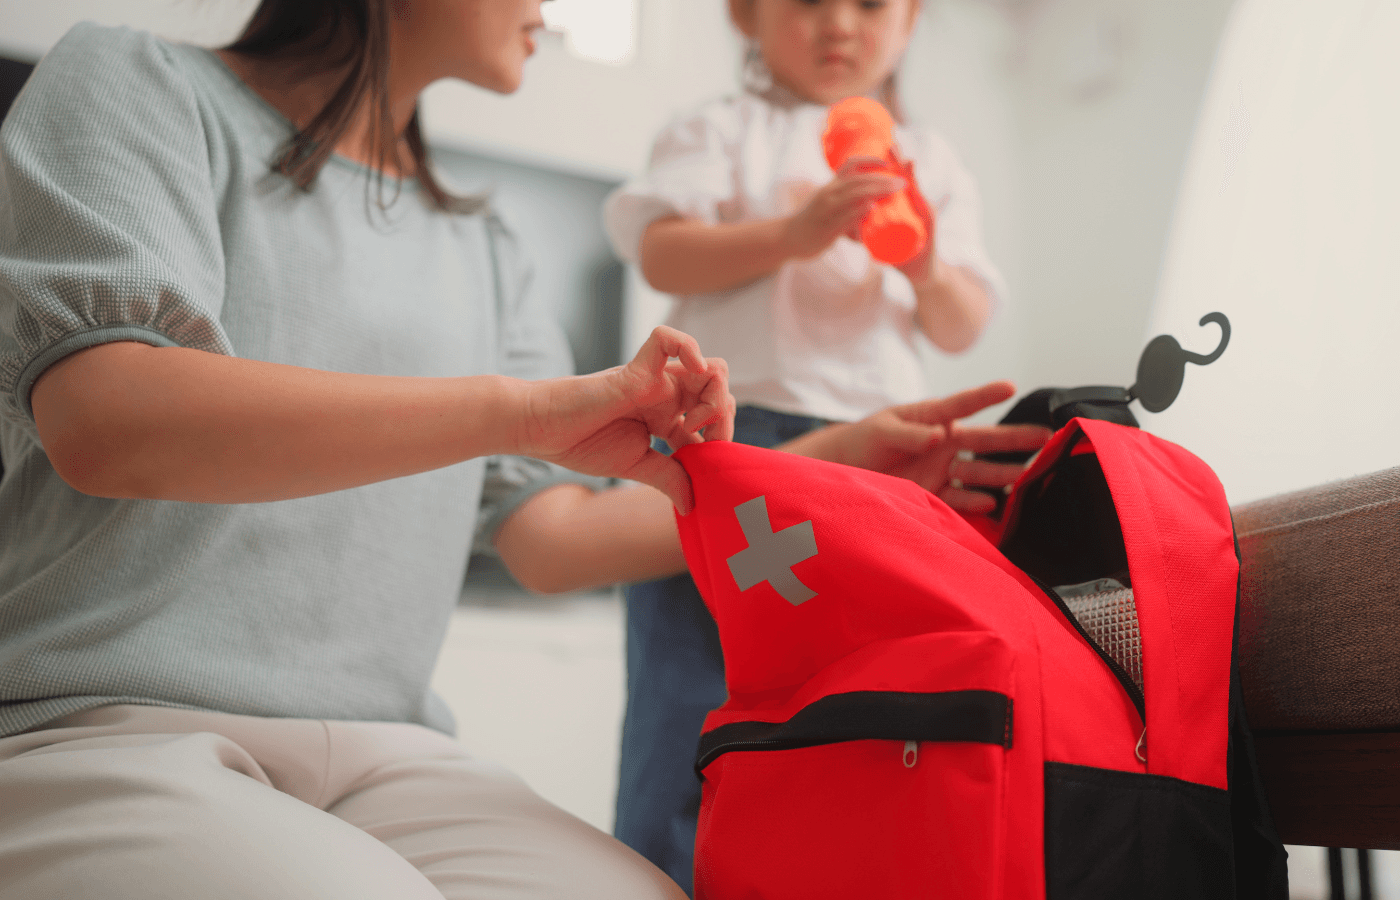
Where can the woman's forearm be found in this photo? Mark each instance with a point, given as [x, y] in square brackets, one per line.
[684, 256]
[131, 420]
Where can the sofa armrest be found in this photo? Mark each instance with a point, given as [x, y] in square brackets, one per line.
[1320, 657]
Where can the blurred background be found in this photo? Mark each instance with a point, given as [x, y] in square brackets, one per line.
[1075, 117]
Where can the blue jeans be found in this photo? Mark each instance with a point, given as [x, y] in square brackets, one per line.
[675, 676]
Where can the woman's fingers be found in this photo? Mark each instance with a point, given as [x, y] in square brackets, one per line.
[984, 473]
[967, 501]
[912, 437]
[666, 343]
[1002, 438]
[667, 476]
[959, 405]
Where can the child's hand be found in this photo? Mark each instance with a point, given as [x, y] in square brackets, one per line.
[602, 424]
[839, 207]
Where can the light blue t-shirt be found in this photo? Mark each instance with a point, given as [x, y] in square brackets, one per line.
[137, 204]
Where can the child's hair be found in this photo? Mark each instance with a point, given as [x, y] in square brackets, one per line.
[755, 77]
[331, 34]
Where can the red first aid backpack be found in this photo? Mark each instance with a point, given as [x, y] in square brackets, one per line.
[918, 711]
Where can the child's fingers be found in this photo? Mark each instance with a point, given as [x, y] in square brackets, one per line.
[855, 164]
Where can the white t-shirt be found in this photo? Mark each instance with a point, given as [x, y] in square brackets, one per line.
[832, 336]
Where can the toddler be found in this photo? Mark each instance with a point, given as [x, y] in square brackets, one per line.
[741, 219]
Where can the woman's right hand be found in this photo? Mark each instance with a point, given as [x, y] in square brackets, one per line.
[602, 424]
[839, 207]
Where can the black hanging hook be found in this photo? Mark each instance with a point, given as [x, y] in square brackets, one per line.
[1162, 366]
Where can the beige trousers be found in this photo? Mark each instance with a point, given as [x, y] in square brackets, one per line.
[152, 803]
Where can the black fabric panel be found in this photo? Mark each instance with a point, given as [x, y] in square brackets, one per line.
[1126, 836]
[982, 717]
[13, 74]
[1261, 862]
[1066, 530]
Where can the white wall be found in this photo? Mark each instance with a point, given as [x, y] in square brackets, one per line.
[1289, 223]
[592, 117]
[29, 27]
[1077, 183]
[1108, 92]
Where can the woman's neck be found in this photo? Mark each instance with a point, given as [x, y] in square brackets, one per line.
[300, 90]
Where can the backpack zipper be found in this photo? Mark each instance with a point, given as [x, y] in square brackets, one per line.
[1134, 692]
[911, 754]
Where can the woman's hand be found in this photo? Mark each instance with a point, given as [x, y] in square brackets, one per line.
[602, 424]
[925, 443]
[838, 207]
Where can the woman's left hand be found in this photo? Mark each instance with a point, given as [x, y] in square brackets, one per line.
[924, 442]
[602, 424]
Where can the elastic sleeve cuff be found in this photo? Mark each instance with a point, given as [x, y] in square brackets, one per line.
[510, 482]
[72, 343]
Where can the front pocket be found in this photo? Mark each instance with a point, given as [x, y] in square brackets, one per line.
[1113, 835]
[883, 777]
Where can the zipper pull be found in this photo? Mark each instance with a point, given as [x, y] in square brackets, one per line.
[911, 754]
[1140, 751]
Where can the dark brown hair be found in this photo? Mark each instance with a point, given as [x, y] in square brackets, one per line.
[349, 35]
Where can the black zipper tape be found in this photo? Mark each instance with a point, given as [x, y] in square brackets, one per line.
[1134, 692]
[981, 717]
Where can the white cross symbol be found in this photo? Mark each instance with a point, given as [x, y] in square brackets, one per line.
[771, 555]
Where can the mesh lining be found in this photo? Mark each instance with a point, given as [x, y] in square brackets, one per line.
[1110, 618]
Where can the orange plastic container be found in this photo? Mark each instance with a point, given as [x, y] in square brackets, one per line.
[858, 126]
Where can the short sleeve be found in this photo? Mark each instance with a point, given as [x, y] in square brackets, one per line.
[510, 482]
[951, 190]
[108, 224]
[532, 344]
[690, 174]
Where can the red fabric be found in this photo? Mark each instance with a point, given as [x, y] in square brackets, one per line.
[911, 597]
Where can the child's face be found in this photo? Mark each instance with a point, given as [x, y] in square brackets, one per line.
[485, 42]
[827, 50]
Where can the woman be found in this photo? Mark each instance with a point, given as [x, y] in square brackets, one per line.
[253, 360]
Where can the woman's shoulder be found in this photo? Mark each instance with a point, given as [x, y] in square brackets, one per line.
[114, 52]
[108, 70]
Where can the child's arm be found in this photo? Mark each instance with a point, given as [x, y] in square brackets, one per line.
[686, 256]
[568, 537]
[952, 306]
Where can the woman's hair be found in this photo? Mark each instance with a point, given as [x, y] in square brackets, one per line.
[349, 35]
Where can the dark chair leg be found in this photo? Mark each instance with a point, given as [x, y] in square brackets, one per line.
[1363, 872]
[1334, 874]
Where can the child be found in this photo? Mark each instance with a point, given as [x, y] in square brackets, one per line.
[245, 419]
[740, 217]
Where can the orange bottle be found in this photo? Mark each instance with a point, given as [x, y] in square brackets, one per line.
[858, 126]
